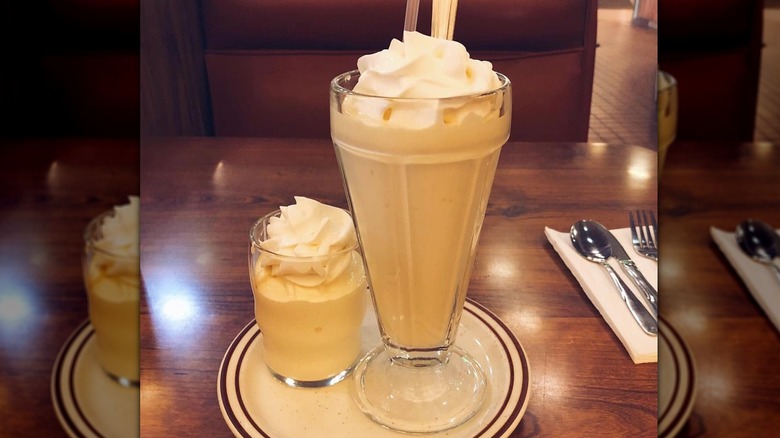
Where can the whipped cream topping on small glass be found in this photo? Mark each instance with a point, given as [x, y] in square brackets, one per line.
[309, 243]
[120, 231]
[422, 67]
[117, 245]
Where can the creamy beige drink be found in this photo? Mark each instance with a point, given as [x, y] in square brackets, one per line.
[310, 292]
[111, 276]
[417, 131]
[419, 174]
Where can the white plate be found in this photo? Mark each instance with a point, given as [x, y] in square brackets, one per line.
[676, 381]
[88, 403]
[254, 404]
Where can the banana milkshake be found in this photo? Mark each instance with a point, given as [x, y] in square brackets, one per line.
[418, 140]
[310, 292]
[112, 279]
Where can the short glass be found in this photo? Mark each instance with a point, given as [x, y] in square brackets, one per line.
[667, 115]
[310, 324]
[113, 290]
[418, 199]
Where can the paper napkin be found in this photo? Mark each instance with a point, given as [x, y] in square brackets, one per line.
[595, 281]
[760, 280]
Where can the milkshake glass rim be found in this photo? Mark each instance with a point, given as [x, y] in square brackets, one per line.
[255, 242]
[338, 89]
[91, 242]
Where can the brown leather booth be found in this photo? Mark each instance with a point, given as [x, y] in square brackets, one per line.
[713, 49]
[269, 63]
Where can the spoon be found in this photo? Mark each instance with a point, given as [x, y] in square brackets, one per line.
[758, 240]
[595, 247]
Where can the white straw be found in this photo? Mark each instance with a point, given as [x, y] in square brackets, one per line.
[412, 6]
[443, 18]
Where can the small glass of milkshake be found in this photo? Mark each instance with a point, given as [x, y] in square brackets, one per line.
[112, 279]
[418, 130]
[310, 292]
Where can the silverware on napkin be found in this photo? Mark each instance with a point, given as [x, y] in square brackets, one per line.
[759, 241]
[645, 242]
[630, 268]
[592, 242]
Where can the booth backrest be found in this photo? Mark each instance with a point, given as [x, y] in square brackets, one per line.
[713, 49]
[71, 68]
[269, 63]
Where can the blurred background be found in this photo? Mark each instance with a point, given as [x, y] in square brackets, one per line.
[722, 130]
[624, 82]
[71, 68]
[582, 70]
[69, 97]
[724, 56]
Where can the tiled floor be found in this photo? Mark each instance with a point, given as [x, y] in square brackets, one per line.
[768, 112]
[623, 105]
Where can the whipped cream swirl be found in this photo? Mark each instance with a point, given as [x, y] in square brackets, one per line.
[422, 67]
[309, 243]
[118, 244]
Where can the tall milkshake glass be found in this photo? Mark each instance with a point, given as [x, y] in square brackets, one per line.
[418, 199]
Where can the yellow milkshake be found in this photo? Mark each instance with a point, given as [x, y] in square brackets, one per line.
[112, 280]
[310, 292]
[417, 131]
[419, 175]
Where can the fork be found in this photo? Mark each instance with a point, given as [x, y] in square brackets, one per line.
[644, 241]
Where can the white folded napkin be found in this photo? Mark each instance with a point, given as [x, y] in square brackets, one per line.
[602, 292]
[760, 280]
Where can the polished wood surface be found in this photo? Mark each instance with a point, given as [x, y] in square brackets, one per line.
[174, 92]
[49, 191]
[201, 195]
[735, 346]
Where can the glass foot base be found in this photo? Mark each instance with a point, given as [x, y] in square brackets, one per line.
[419, 399]
[289, 381]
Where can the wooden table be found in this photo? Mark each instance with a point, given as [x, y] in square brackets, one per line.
[201, 195]
[49, 191]
[735, 346]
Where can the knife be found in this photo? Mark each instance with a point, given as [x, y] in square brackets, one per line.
[629, 267]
